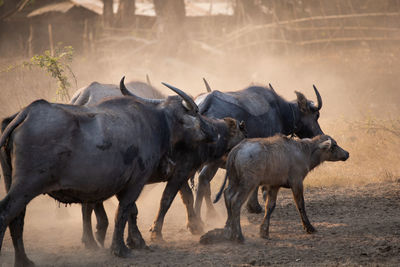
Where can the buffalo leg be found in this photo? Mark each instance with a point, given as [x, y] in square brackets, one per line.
[194, 223]
[236, 203]
[118, 247]
[135, 239]
[168, 196]
[299, 199]
[102, 222]
[87, 234]
[7, 172]
[12, 212]
[272, 193]
[228, 194]
[127, 199]
[204, 191]
[252, 204]
[16, 230]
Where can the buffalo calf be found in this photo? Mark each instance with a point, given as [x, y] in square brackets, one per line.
[273, 163]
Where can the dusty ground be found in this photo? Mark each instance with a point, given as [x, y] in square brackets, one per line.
[357, 225]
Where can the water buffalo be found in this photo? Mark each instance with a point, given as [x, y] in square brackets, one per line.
[265, 113]
[96, 92]
[186, 162]
[89, 95]
[80, 154]
[273, 162]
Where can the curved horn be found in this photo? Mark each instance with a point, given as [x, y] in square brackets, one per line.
[148, 80]
[125, 91]
[207, 85]
[319, 99]
[270, 87]
[188, 100]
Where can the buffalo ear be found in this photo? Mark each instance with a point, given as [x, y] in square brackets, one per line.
[231, 123]
[302, 102]
[325, 145]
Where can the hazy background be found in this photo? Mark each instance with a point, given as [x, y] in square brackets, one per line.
[348, 48]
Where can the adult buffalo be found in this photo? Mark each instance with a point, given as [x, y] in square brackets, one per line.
[80, 154]
[265, 114]
[185, 160]
[90, 95]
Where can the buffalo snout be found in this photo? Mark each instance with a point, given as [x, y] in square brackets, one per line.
[345, 156]
[340, 154]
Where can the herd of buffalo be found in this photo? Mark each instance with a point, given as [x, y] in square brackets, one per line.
[112, 141]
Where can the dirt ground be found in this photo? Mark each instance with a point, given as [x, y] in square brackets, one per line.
[356, 225]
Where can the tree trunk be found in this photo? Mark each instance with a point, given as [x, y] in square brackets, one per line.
[170, 15]
[108, 14]
[171, 25]
[126, 13]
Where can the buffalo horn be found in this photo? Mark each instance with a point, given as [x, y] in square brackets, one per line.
[190, 104]
[148, 80]
[270, 87]
[125, 91]
[319, 99]
[207, 85]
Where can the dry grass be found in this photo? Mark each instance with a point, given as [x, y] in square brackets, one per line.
[373, 157]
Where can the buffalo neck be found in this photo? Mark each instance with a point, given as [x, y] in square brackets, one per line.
[289, 112]
[315, 154]
[219, 148]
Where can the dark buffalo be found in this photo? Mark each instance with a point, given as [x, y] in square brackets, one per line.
[265, 113]
[90, 95]
[273, 162]
[186, 162]
[80, 154]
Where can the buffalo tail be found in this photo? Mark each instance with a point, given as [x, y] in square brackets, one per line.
[221, 189]
[12, 125]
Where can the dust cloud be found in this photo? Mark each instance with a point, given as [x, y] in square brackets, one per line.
[359, 85]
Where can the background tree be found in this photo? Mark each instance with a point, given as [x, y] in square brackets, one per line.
[108, 14]
[170, 16]
[126, 13]
[10, 7]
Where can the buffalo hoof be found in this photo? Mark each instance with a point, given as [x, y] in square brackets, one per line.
[213, 237]
[121, 251]
[136, 243]
[196, 227]
[90, 243]
[310, 229]
[254, 208]
[101, 237]
[156, 237]
[237, 238]
[23, 262]
[264, 233]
